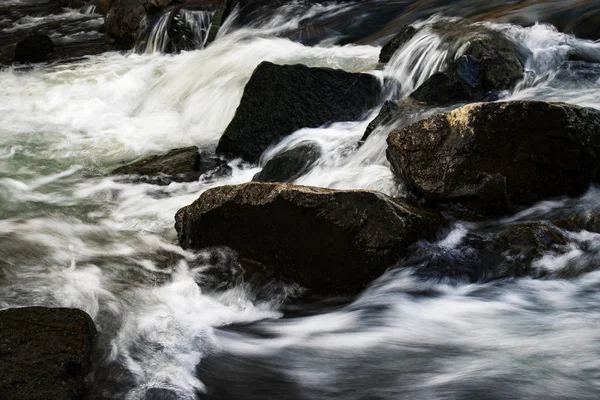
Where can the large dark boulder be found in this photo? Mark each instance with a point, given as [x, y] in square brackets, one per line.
[34, 49]
[180, 165]
[280, 99]
[45, 353]
[492, 157]
[328, 241]
[289, 165]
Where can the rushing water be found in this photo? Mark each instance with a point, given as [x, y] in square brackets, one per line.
[72, 236]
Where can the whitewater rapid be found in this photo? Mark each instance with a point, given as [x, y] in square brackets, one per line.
[72, 236]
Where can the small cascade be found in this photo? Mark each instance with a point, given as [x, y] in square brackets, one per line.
[88, 9]
[174, 31]
[422, 56]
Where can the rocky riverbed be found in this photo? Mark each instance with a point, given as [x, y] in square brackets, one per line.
[217, 199]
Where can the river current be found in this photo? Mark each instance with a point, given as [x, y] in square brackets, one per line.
[72, 236]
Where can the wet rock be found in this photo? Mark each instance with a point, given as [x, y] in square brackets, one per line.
[494, 157]
[500, 67]
[386, 114]
[398, 41]
[124, 17]
[461, 82]
[586, 25]
[34, 49]
[221, 13]
[328, 241]
[489, 254]
[280, 99]
[45, 353]
[493, 62]
[588, 221]
[289, 165]
[526, 242]
[179, 165]
[585, 54]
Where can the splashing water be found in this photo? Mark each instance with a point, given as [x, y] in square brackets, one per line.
[71, 236]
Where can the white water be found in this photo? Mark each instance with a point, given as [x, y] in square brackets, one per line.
[195, 25]
[70, 236]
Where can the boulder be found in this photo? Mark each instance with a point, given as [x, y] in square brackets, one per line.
[34, 49]
[329, 241]
[493, 157]
[395, 43]
[45, 353]
[280, 99]
[500, 67]
[460, 82]
[179, 165]
[289, 165]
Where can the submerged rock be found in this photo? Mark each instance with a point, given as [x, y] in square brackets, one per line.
[34, 49]
[487, 255]
[328, 241]
[280, 99]
[386, 114]
[179, 165]
[290, 164]
[492, 157]
[45, 353]
[526, 242]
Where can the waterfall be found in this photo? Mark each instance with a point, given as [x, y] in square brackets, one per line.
[174, 31]
[88, 9]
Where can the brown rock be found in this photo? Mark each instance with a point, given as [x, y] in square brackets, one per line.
[491, 157]
[329, 241]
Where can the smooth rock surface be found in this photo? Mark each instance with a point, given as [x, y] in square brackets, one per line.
[280, 99]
